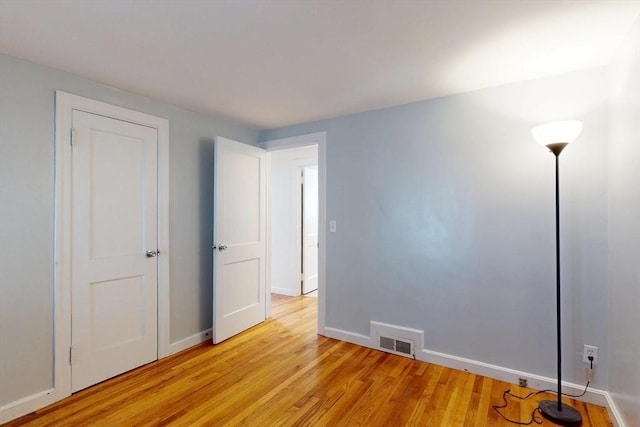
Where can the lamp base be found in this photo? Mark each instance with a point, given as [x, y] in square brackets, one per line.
[568, 416]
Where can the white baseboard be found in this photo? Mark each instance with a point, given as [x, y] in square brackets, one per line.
[614, 412]
[538, 382]
[185, 343]
[27, 404]
[31, 403]
[283, 291]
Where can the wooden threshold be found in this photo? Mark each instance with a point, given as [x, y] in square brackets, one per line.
[281, 373]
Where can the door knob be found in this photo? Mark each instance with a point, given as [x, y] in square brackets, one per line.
[151, 253]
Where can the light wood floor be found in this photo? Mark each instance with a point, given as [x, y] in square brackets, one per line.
[281, 373]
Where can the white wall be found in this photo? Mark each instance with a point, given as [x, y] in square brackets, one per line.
[624, 231]
[283, 210]
[27, 223]
[445, 218]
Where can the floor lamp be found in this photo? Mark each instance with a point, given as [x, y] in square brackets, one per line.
[555, 136]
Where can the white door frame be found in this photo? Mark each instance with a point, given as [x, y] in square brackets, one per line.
[318, 139]
[299, 197]
[65, 104]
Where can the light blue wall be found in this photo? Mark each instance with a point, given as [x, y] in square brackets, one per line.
[445, 218]
[27, 222]
[624, 231]
[444, 211]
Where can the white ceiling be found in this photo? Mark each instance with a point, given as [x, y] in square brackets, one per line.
[279, 62]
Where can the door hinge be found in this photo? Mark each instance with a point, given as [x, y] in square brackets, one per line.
[73, 136]
[70, 355]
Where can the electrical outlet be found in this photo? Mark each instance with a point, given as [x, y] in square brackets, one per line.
[592, 351]
[522, 382]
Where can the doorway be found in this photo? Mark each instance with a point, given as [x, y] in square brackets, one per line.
[286, 160]
[287, 214]
[108, 147]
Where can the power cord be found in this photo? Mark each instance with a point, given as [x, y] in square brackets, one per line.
[535, 417]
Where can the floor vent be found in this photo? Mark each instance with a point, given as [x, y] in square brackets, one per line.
[403, 347]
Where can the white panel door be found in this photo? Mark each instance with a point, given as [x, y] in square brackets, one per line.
[310, 230]
[114, 224]
[239, 238]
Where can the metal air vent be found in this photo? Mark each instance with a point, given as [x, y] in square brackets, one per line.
[396, 345]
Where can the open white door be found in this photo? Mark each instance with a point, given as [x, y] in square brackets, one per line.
[239, 237]
[310, 230]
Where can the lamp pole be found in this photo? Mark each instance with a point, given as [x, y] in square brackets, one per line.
[557, 411]
[557, 152]
[558, 332]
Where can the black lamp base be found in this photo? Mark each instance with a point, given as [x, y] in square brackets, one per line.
[568, 416]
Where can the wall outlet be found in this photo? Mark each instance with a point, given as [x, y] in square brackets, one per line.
[522, 382]
[590, 350]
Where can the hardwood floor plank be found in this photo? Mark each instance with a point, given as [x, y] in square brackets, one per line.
[477, 416]
[281, 373]
[456, 411]
[424, 407]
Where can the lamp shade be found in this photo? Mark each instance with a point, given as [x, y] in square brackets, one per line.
[557, 132]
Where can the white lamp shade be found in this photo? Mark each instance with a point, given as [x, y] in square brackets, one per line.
[554, 132]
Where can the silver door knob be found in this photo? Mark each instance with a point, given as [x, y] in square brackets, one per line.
[220, 247]
[151, 253]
